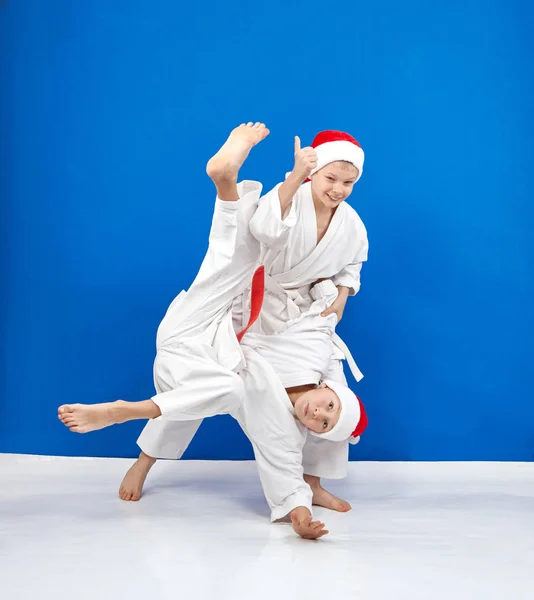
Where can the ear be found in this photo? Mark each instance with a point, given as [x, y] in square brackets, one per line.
[321, 386]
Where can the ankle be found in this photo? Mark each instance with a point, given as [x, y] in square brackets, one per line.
[146, 460]
[313, 481]
[227, 188]
[225, 178]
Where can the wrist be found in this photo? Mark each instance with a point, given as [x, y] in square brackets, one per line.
[343, 290]
[299, 513]
[298, 176]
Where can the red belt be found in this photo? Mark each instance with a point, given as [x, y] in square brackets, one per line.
[256, 299]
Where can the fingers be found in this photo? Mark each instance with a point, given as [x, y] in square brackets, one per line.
[305, 160]
[311, 530]
[319, 535]
[308, 151]
[314, 531]
[310, 156]
[315, 537]
[331, 309]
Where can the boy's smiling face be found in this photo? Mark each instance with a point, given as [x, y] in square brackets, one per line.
[333, 183]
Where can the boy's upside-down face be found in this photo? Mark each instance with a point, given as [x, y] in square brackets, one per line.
[318, 409]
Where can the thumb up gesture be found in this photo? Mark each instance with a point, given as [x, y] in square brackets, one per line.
[305, 160]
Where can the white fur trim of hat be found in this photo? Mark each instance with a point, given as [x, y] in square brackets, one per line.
[352, 418]
[332, 146]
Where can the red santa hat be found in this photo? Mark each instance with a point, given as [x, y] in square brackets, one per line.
[352, 420]
[332, 146]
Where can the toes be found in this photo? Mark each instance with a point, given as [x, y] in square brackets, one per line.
[126, 495]
[250, 124]
[342, 506]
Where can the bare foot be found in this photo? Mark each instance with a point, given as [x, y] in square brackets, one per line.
[323, 498]
[132, 484]
[82, 418]
[226, 163]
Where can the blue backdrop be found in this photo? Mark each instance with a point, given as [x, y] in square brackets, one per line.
[110, 110]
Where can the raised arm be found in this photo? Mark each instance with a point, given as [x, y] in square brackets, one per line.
[276, 213]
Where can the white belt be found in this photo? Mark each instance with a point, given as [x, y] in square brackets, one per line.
[293, 311]
[272, 285]
[339, 343]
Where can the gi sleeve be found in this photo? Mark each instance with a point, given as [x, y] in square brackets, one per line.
[275, 435]
[349, 276]
[282, 478]
[268, 225]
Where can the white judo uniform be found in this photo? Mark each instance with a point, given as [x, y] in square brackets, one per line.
[198, 358]
[293, 261]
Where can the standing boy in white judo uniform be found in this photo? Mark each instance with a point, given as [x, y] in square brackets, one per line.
[198, 356]
[307, 233]
[328, 240]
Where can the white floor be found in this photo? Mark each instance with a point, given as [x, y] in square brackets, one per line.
[427, 531]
